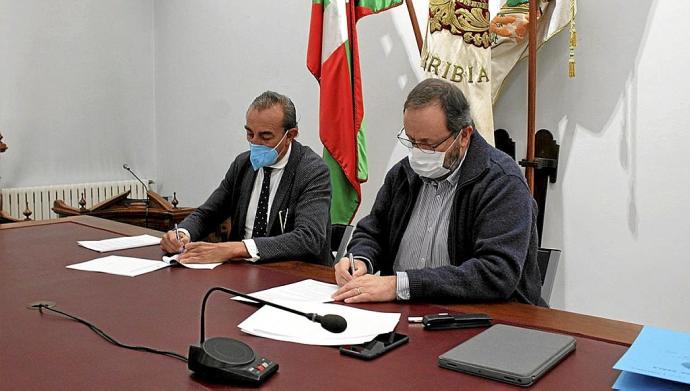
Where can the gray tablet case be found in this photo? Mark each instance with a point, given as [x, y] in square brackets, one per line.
[509, 354]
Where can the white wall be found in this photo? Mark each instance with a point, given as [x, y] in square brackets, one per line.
[213, 58]
[76, 90]
[618, 211]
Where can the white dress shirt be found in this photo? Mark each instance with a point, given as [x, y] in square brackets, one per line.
[254, 203]
[276, 175]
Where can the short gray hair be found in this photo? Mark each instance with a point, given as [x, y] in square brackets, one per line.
[269, 99]
[448, 96]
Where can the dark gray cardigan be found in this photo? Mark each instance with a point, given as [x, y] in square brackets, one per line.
[304, 193]
[492, 238]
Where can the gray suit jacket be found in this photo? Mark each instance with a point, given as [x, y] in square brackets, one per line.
[304, 195]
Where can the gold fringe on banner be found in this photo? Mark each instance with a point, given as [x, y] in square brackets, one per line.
[573, 41]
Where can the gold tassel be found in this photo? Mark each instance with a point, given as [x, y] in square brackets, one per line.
[572, 44]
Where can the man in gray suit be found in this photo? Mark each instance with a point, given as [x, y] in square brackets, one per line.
[277, 196]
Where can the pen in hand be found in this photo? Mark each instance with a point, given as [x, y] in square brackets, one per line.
[352, 264]
[177, 236]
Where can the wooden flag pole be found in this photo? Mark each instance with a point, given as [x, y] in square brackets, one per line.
[531, 92]
[3, 148]
[415, 24]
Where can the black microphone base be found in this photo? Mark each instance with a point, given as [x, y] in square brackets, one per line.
[227, 360]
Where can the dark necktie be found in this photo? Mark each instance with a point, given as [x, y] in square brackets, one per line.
[261, 219]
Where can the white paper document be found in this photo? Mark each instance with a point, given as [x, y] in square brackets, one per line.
[123, 266]
[121, 243]
[305, 290]
[362, 325]
[131, 267]
[172, 260]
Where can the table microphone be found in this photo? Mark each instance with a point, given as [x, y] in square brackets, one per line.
[126, 167]
[146, 190]
[331, 322]
[229, 360]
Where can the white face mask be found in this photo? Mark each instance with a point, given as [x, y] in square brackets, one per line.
[429, 164]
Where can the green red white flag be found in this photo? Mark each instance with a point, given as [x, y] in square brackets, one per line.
[332, 58]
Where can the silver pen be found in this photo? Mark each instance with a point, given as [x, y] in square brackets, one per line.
[283, 220]
[177, 236]
[352, 264]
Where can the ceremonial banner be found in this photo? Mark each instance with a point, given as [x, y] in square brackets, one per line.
[457, 48]
[509, 30]
[332, 58]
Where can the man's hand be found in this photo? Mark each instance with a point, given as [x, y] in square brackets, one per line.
[367, 288]
[171, 245]
[203, 252]
[342, 270]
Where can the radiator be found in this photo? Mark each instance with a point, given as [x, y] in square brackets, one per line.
[40, 198]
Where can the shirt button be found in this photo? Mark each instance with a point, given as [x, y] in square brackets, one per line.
[438, 197]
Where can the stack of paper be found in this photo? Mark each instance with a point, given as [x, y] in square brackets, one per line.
[659, 359]
[131, 267]
[362, 325]
[120, 243]
[305, 290]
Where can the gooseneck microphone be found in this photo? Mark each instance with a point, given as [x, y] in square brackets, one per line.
[220, 359]
[146, 188]
[229, 360]
[126, 167]
[331, 322]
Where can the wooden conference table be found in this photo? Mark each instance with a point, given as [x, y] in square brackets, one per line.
[161, 309]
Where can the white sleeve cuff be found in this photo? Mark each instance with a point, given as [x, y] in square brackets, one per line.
[184, 231]
[251, 249]
[402, 286]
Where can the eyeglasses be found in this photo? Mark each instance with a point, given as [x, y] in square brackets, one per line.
[424, 147]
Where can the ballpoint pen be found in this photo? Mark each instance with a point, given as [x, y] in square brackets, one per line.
[352, 264]
[177, 236]
[283, 219]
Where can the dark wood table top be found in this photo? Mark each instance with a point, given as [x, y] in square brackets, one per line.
[161, 310]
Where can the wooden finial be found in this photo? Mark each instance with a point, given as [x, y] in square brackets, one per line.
[82, 203]
[27, 212]
[174, 201]
[3, 146]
